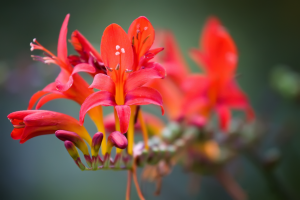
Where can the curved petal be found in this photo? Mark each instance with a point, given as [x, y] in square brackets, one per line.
[102, 98]
[142, 34]
[103, 82]
[219, 48]
[47, 122]
[123, 112]
[82, 45]
[16, 134]
[62, 51]
[35, 97]
[116, 49]
[49, 97]
[78, 68]
[144, 96]
[143, 76]
[224, 117]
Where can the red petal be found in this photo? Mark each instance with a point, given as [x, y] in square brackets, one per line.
[115, 39]
[49, 97]
[41, 122]
[219, 48]
[16, 134]
[234, 97]
[141, 33]
[143, 76]
[144, 96]
[103, 82]
[19, 115]
[78, 68]
[173, 59]
[123, 112]
[62, 51]
[103, 98]
[224, 117]
[49, 88]
[81, 44]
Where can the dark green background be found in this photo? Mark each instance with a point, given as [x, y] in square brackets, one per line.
[267, 33]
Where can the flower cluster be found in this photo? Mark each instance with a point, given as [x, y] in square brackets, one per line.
[128, 73]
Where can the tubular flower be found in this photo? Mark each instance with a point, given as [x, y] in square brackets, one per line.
[31, 123]
[69, 84]
[216, 89]
[128, 70]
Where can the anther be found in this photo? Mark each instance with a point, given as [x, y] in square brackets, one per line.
[117, 53]
[132, 41]
[146, 39]
[118, 66]
[117, 47]
[109, 69]
[145, 28]
[34, 40]
[137, 34]
[128, 70]
[123, 50]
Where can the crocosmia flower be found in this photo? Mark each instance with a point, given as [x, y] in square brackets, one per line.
[126, 57]
[216, 89]
[31, 123]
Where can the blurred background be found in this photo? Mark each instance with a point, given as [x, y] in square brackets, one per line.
[266, 33]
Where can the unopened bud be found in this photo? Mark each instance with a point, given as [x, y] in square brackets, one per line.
[71, 148]
[116, 139]
[74, 138]
[77, 141]
[96, 143]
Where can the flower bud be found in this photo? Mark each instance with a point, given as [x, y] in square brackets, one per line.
[116, 139]
[71, 148]
[96, 143]
[77, 141]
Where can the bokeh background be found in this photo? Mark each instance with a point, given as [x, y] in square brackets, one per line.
[267, 34]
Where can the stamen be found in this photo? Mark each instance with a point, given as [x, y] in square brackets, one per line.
[128, 70]
[117, 53]
[132, 43]
[118, 66]
[137, 34]
[109, 69]
[19, 126]
[117, 47]
[146, 39]
[34, 40]
[123, 50]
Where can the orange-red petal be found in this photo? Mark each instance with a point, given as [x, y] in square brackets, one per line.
[123, 112]
[142, 34]
[102, 98]
[144, 96]
[103, 82]
[116, 48]
[143, 76]
[62, 51]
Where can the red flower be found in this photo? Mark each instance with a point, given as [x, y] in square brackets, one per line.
[216, 89]
[128, 70]
[31, 123]
[69, 84]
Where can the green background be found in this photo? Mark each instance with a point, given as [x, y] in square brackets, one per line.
[267, 33]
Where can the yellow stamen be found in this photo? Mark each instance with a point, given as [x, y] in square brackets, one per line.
[96, 115]
[130, 132]
[144, 129]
